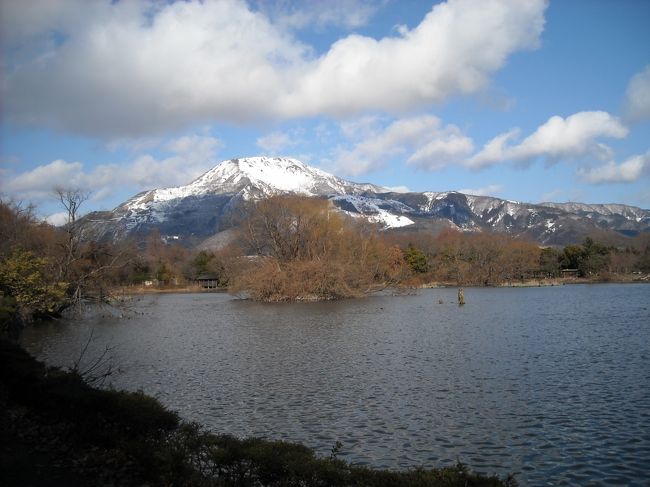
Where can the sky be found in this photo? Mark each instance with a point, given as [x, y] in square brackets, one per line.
[524, 100]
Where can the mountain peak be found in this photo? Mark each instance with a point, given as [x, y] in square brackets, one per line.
[270, 175]
[252, 177]
[269, 170]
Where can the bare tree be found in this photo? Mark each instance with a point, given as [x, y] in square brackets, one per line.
[71, 200]
[304, 250]
[94, 370]
[84, 263]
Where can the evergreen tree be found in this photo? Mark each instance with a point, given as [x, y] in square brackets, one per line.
[416, 259]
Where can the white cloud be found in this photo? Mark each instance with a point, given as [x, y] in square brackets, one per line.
[132, 68]
[398, 189]
[39, 183]
[361, 127]
[422, 141]
[134, 146]
[192, 155]
[188, 157]
[114, 69]
[637, 97]
[558, 138]
[489, 190]
[494, 151]
[22, 21]
[57, 219]
[274, 143]
[571, 136]
[627, 171]
[454, 50]
[448, 146]
[349, 14]
[195, 148]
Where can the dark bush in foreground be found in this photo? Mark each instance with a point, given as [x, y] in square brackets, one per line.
[88, 436]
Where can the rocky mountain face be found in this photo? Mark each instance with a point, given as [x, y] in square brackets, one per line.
[206, 206]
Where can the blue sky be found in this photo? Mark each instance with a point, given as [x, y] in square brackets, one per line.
[525, 100]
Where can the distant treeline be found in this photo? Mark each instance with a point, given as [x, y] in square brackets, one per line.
[285, 248]
[485, 259]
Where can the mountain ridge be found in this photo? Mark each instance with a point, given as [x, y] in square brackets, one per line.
[205, 206]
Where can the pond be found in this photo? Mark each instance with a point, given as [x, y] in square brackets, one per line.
[551, 384]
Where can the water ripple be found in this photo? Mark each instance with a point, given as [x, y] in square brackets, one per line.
[552, 384]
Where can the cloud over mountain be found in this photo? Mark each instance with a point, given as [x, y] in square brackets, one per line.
[611, 172]
[135, 68]
[574, 136]
[637, 97]
[184, 159]
[423, 141]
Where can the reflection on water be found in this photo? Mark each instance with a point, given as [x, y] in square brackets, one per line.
[552, 384]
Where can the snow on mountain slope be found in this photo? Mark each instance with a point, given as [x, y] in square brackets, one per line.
[628, 212]
[376, 210]
[205, 206]
[431, 199]
[384, 218]
[256, 176]
[197, 208]
[496, 211]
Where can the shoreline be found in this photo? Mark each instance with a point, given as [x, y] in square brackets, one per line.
[123, 292]
[141, 290]
[50, 417]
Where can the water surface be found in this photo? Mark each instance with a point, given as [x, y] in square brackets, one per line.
[552, 384]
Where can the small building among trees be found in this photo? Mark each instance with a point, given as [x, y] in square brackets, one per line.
[207, 281]
[570, 273]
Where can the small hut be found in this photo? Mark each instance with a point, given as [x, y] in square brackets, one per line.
[569, 273]
[207, 281]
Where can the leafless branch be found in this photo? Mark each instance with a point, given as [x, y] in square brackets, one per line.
[98, 369]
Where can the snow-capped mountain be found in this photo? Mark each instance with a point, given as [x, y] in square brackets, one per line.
[255, 177]
[204, 207]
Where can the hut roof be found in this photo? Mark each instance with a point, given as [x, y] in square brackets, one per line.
[206, 277]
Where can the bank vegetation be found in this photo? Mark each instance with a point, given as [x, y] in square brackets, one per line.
[59, 431]
[285, 248]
